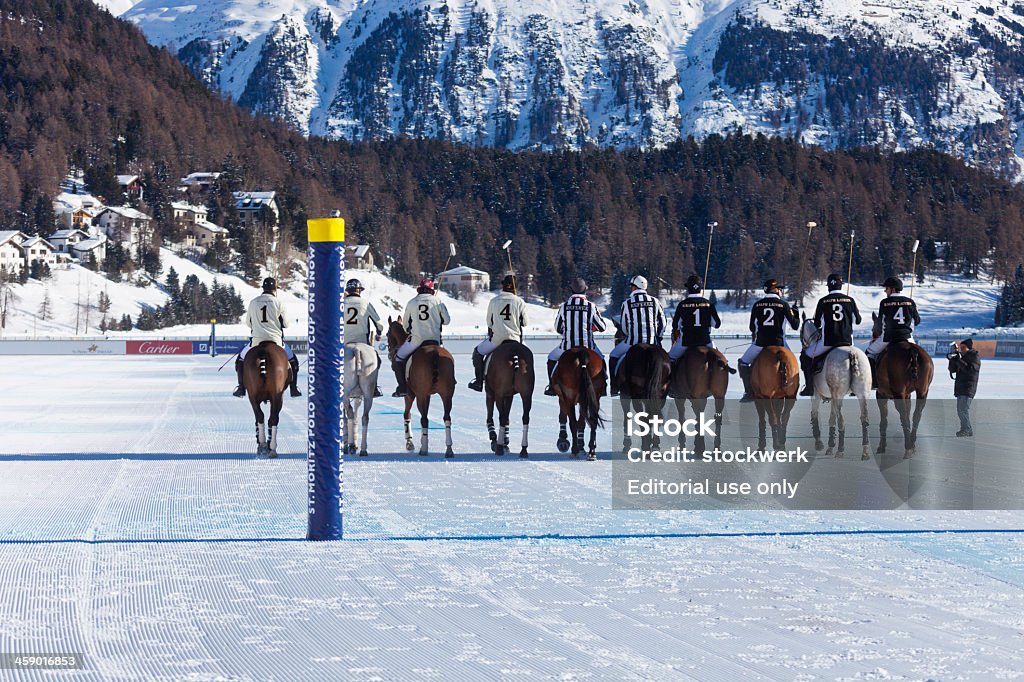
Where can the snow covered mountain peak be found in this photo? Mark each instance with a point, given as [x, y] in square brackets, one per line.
[540, 74]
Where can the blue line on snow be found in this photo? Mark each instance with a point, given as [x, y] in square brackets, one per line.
[557, 537]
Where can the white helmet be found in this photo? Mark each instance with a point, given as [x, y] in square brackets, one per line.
[640, 282]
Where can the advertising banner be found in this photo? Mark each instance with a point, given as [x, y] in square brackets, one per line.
[159, 347]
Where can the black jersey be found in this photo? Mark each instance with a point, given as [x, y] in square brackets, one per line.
[898, 316]
[767, 319]
[835, 316]
[694, 317]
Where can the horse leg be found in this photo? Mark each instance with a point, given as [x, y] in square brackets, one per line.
[563, 436]
[490, 422]
[367, 404]
[261, 433]
[504, 412]
[903, 407]
[719, 412]
[699, 405]
[592, 457]
[423, 405]
[761, 438]
[627, 441]
[408, 422]
[816, 422]
[446, 403]
[681, 413]
[918, 409]
[527, 398]
[787, 407]
[276, 403]
[866, 451]
[883, 423]
[833, 418]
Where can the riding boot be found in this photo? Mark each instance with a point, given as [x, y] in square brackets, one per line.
[613, 372]
[293, 385]
[745, 370]
[240, 388]
[807, 365]
[874, 372]
[399, 367]
[477, 384]
[551, 370]
[377, 393]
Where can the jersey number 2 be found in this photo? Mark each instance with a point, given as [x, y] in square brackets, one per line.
[353, 315]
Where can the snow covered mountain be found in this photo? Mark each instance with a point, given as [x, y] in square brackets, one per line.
[117, 7]
[540, 74]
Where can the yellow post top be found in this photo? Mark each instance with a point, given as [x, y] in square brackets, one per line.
[326, 229]
[214, 321]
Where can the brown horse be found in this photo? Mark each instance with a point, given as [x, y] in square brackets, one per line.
[701, 373]
[431, 369]
[904, 368]
[774, 381]
[265, 375]
[578, 379]
[645, 371]
[509, 372]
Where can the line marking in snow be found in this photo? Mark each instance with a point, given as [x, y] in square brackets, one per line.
[528, 537]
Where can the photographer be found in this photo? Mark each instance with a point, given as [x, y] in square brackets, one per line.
[964, 367]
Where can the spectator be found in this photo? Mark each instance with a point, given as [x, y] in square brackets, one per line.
[964, 367]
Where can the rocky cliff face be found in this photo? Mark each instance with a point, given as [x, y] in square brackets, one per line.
[528, 74]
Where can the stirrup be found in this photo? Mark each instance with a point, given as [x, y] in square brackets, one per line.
[239, 392]
[550, 391]
[476, 385]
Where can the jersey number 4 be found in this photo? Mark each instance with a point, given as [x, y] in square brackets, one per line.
[506, 312]
[898, 316]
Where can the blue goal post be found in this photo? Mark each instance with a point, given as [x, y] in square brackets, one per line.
[326, 373]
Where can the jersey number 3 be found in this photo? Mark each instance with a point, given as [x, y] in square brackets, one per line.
[424, 311]
[837, 312]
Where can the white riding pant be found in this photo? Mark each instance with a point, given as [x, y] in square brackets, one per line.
[678, 349]
[248, 346]
[405, 350]
[753, 351]
[878, 345]
[817, 348]
[486, 347]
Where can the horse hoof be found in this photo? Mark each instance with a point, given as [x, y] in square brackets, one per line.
[865, 456]
[818, 445]
[271, 454]
[908, 454]
[840, 454]
[363, 453]
[880, 450]
[563, 446]
[409, 446]
[523, 454]
[449, 453]
[424, 453]
[830, 452]
[499, 450]
[494, 447]
[592, 457]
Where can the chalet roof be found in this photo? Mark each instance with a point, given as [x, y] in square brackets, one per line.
[250, 201]
[128, 212]
[67, 234]
[35, 241]
[199, 176]
[358, 250]
[185, 206]
[17, 236]
[124, 180]
[211, 227]
[66, 202]
[89, 244]
[463, 270]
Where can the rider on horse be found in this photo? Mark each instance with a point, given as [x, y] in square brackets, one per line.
[506, 317]
[423, 319]
[642, 321]
[359, 315]
[896, 319]
[266, 320]
[767, 323]
[694, 317]
[577, 320]
[834, 317]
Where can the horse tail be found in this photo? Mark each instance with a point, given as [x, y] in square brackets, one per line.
[915, 363]
[783, 366]
[261, 361]
[435, 370]
[589, 406]
[716, 360]
[515, 363]
[654, 378]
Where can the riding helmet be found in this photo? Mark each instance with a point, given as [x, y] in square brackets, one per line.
[694, 285]
[771, 284]
[269, 284]
[579, 286]
[353, 285]
[639, 281]
[509, 282]
[894, 283]
[835, 282]
[426, 283]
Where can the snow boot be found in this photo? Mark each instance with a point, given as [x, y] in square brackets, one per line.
[745, 370]
[240, 388]
[293, 385]
[477, 384]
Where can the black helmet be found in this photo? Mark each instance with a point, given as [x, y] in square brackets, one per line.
[771, 284]
[269, 284]
[694, 284]
[353, 285]
[894, 283]
[835, 282]
[509, 282]
[579, 286]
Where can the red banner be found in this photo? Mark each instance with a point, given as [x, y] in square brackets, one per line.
[159, 348]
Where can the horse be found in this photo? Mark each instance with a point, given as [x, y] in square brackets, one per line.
[509, 372]
[846, 369]
[578, 380]
[362, 367]
[431, 369]
[645, 371]
[774, 376]
[701, 372]
[903, 368]
[265, 375]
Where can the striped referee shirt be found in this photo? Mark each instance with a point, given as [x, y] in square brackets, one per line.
[577, 320]
[643, 319]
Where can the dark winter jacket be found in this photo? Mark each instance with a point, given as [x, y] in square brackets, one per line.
[966, 367]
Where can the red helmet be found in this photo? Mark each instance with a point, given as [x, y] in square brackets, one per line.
[426, 283]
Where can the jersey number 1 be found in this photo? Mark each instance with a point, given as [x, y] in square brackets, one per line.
[263, 312]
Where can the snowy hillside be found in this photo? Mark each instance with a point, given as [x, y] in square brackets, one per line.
[117, 7]
[532, 74]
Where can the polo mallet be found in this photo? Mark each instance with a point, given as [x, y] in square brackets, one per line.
[707, 261]
[508, 252]
[803, 261]
[451, 254]
[227, 361]
[913, 269]
[849, 268]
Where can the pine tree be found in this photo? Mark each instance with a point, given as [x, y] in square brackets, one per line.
[104, 303]
[172, 283]
[46, 307]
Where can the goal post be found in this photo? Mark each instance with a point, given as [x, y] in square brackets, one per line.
[326, 375]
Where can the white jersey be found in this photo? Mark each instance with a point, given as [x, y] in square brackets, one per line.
[576, 321]
[266, 319]
[359, 316]
[643, 319]
[506, 317]
[424, 317]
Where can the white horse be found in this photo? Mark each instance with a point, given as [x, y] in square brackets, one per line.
[846, 369]
[361, 368]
